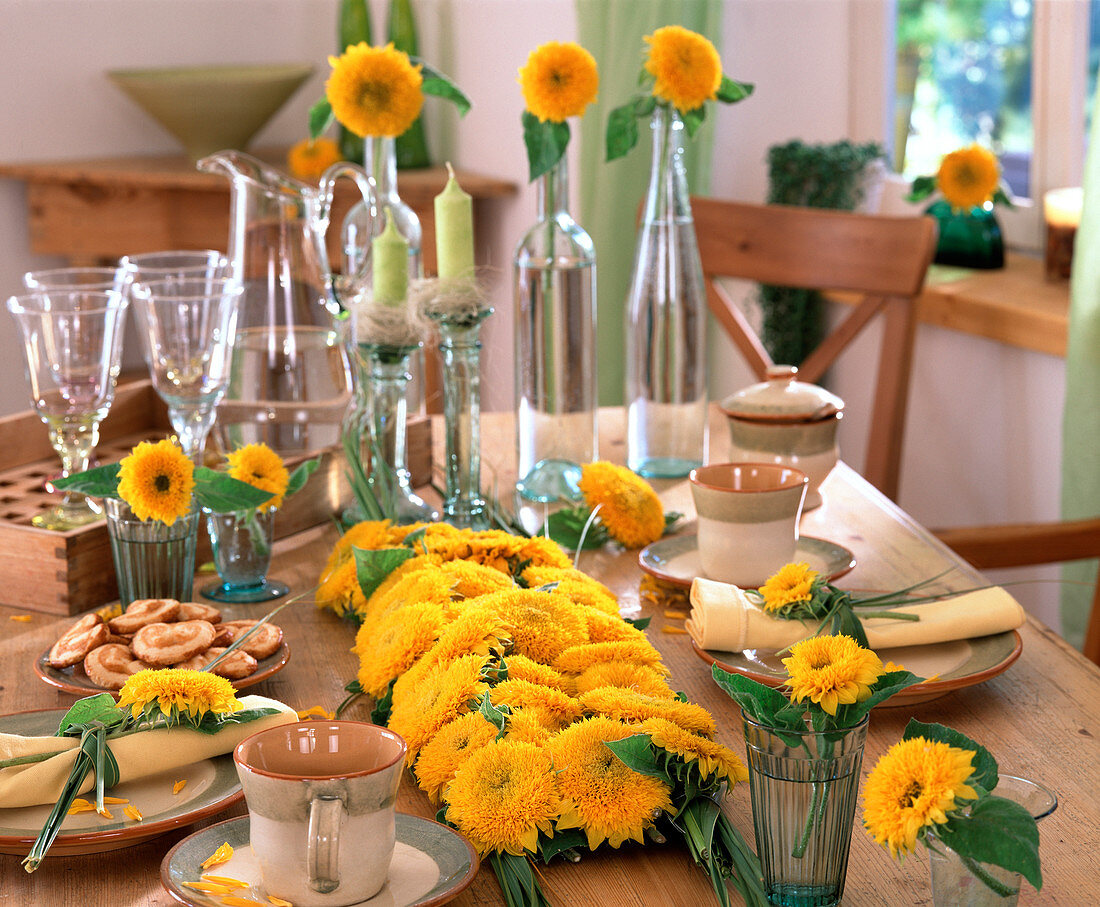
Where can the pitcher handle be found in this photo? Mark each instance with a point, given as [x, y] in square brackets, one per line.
[366, 186]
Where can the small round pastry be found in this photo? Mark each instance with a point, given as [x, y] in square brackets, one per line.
[198, 611]
[168, 644]
[262, 644]
[78, 641]
[237, 665]
[143, 612]
[111, 665]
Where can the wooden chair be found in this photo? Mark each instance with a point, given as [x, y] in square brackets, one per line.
[882, 259]
[1027, 544]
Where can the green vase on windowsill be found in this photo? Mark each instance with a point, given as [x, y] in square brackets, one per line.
[968, 238]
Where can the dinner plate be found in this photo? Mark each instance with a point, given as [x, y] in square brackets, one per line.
[676, 559]
[212, 786]
[431, 864]
[952, 665]
[74, 680]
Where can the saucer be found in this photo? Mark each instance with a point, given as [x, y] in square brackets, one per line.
[675, 560]
[431, 865]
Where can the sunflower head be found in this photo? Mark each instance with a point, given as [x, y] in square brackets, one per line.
[261, 467]
[790, 588]
[686, 68]
[375, 90]
[831, 671]
[559, 80]
[178, 692]
[157, 480]
[309, 158]
[969, 177]
[629, 507]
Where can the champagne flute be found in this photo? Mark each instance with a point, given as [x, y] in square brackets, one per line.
[72, 341]
[188, 326]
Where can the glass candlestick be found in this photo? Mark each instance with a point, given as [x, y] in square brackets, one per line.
[460, 350]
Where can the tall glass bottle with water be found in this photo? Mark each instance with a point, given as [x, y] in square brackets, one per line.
[666, 373]
[556, 392]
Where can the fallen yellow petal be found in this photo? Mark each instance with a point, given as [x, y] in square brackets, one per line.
[80, 801]
[224, 880]
[675, 614]
[132, 812]
[211, 887]
[279, 902]
[222, 855]
[179, 785]
[673, 630]
[116, 800]
[316, 711]
[233, 901]
[22, 618]
[77, 810]
[106, 813]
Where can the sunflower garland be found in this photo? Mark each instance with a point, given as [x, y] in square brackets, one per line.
[967, 178]
[682, 71]
[536, 726]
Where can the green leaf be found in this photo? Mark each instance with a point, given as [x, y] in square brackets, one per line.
[98, 482]
[545, 143]
[985, 766]
[566, 527]
[221, 493]
[730, 92]
[758, 701]
[997, 831]
[636, 752]
[845, 622]
[886, 686]
[497, 717]
[672, 517]
[374, 565]
[639, 623]
[622, 131]
[101, 707]
[416, 537]
[301, 475]
[439, 85]
[320, 117]
[380, 714]
[923, 186]
[563, 840]
[694, 119]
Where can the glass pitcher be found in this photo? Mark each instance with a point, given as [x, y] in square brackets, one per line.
[291, 376]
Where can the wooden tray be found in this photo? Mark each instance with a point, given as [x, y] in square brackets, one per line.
[66, 572]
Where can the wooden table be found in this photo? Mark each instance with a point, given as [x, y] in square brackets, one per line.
[1040, 719]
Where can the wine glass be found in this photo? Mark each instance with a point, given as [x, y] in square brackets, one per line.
[72, 339]
[175, 265]
[78, 278]
[188, 326]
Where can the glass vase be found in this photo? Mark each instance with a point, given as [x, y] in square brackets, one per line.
[958, 882]
[460, 351]
[241, 541]
[968, 238]
[666, 392]
[379, 428]
[152, 559]
[803, 786]
[555, 349]
[412, 145]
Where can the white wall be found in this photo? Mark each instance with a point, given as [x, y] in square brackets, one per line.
[984, 433]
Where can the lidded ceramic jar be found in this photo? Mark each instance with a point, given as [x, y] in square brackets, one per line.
[787, 421]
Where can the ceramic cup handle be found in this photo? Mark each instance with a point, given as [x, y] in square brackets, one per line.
[323, 843]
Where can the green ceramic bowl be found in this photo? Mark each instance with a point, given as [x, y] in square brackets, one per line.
[212, 108]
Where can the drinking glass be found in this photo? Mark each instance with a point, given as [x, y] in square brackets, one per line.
[188, 326]
[90, 278]
[175, 265]
[73, 340]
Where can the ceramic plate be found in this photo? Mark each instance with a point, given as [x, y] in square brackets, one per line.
[954, 665]
[431, 864]
[676, 560]
[212, 786]
[74, 680]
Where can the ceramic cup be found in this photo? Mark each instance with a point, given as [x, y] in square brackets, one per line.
[748, 519]
[321, 798]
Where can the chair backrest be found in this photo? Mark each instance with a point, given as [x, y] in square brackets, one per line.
[1026, 544]
[882, 259]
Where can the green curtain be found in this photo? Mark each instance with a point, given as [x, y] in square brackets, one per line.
[1081, 418]
[612, 31]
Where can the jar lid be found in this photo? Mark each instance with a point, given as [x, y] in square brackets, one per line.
[782, 398]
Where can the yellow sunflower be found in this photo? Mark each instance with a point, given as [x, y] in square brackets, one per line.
[601, 795]
[559, 80]
[625, 675]
[177, 691]
[578, 658]
[471, 580]
[520, 667]
[261, 467]
[340, 591]
[374, 90]
[603, 627]
[157, 480]
[531, 725]
[478, 631]
[629, 705]
[452, 745]
[523, 694]
[367, 534]
[503, 795]
[712, 758]
[543, 624]
[917, 783]
[968, 177]
[685, 65]
[629, 507]
[831, 671]
[310, 158]
[579, 586]
[387, 648]
[790, 585]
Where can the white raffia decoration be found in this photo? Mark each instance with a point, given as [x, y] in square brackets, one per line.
[456, 299]
[388, 325]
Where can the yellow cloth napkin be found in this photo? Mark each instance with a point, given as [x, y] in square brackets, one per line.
[138, 755]
[724, 618]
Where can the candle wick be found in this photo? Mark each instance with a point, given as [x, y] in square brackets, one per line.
[450, 170]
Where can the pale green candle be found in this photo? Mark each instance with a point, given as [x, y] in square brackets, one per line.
[390, 265]
[454, 230]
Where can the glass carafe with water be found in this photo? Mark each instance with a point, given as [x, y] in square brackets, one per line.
[291, 378]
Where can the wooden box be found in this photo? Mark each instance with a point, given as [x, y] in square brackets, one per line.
[66, 572]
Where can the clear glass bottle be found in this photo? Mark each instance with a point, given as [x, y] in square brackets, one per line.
[666, 374]
[554, 269]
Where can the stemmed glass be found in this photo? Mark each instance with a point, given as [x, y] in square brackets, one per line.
[188, 326]
[73, 340]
